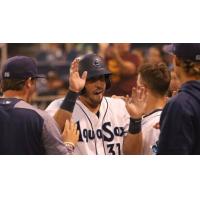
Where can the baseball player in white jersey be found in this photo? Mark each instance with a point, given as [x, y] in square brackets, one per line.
[150, 134]
[155, 78]
[104, 124]
[101, 134]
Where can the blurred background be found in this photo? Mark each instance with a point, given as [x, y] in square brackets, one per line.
[54, 59]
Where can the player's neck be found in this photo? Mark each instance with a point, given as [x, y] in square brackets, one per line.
[93, 108]
[155, 103]
[184, 77]
[15, 94]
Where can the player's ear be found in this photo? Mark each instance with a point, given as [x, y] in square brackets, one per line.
[29, 82]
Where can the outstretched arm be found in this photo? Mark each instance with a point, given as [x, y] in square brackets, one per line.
[76, 84]
[136, 107]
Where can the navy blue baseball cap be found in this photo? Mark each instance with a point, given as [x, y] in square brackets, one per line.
[185, 51]
[20, 67]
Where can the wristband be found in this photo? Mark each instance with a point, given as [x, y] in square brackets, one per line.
[135, 126]
[69, 101]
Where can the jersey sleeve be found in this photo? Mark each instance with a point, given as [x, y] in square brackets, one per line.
[53, 107]
[51, 138]
[177, 130]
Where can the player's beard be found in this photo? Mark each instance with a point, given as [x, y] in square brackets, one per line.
[93, 100]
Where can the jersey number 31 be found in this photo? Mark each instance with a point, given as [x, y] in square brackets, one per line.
[114, 149]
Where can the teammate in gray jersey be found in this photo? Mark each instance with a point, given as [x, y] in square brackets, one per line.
[23, 128]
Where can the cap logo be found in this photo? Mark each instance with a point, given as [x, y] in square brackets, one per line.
[6, 74]
[197, 57]
[97, 63]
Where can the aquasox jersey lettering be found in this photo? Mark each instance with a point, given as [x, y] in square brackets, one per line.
[102, 134]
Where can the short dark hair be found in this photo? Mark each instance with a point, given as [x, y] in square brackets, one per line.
[156, 76]
[191, 68]
[12, 84]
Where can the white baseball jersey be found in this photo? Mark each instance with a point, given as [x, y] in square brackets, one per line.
[99, 135]
[150, 135]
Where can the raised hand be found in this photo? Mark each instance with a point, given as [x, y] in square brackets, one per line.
[136, 104]
[76, 83]
[70, 133]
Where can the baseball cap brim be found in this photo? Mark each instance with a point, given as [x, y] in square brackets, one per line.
[185, 51]
[40, 76]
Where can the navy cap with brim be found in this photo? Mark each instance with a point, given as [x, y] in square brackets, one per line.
[20, 67]
[185, 51]
[35, 77]
[40, 76]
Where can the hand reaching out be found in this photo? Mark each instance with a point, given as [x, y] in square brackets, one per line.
[70, 133]
[76, 83]
[136, 104]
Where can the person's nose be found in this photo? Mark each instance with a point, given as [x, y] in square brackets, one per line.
[100, 83]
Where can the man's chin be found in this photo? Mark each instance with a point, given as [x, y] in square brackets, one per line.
[97, 99]
[94, 100]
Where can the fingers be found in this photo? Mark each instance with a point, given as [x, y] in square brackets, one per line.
[66, 130]
[74, 132]
[66, 125]
[77, 135]
[74, 72]
[139, 94]
[75, 128]
[134, 94]
[84, 75]
[70, 133]
[72, 127]
[142, 94]
[126, 99]
[74, 66]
